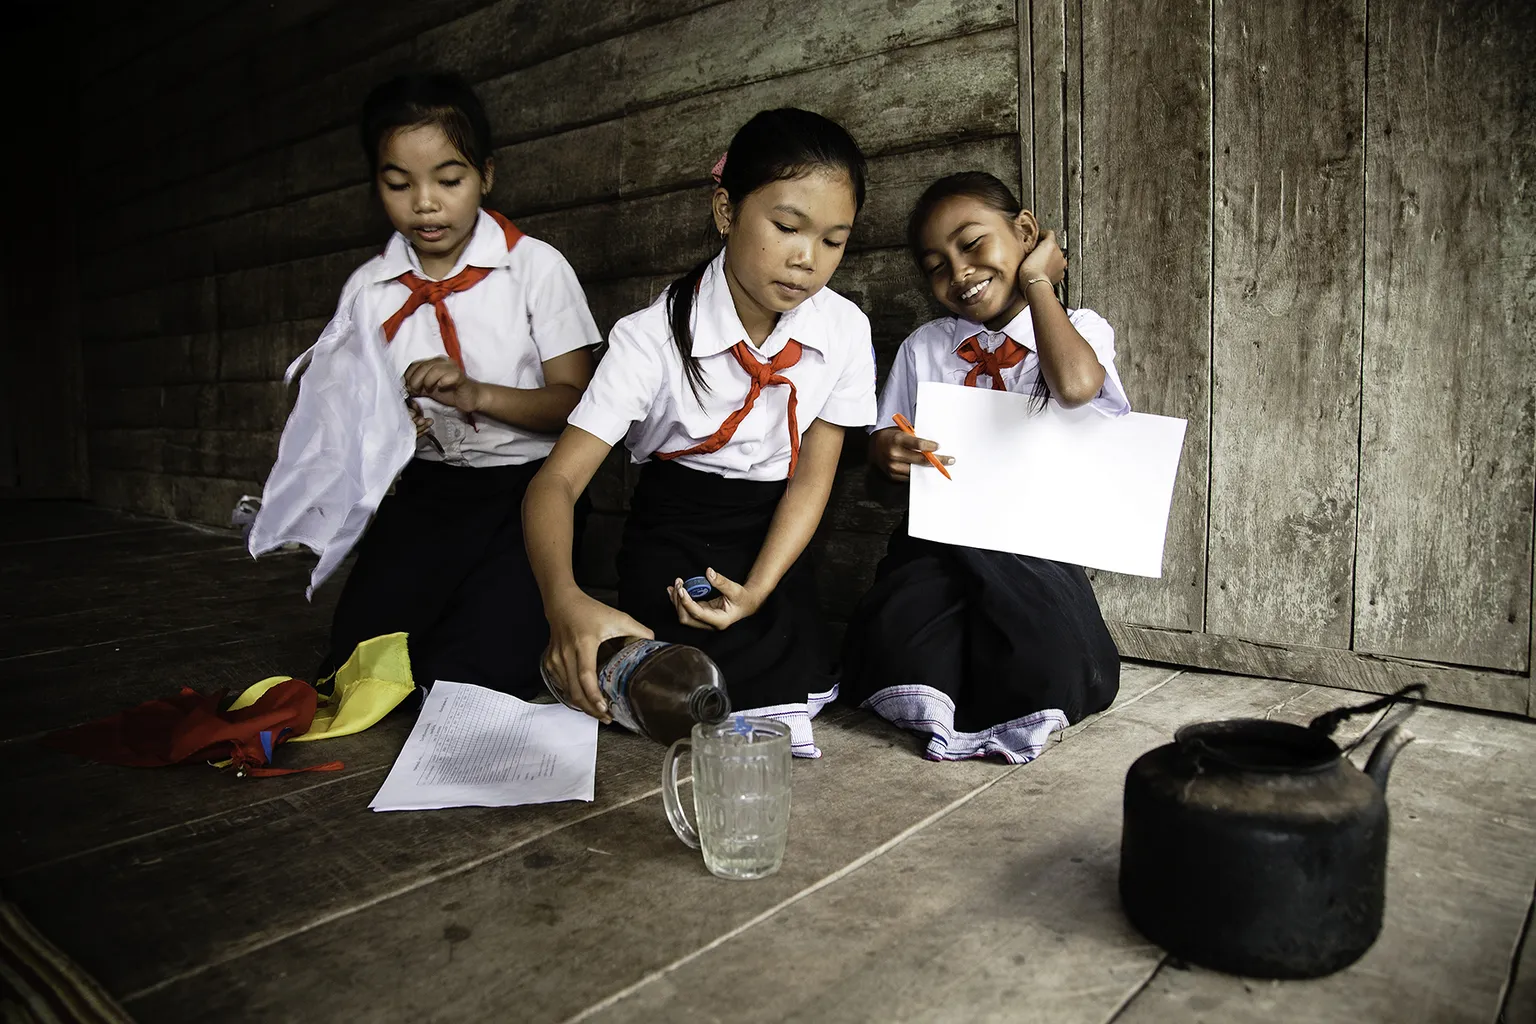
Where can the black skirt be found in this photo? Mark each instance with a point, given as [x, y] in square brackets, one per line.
[444, 562]
[986, 652]
[683, 521]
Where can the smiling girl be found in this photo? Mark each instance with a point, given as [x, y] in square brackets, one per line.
[732, 390]
[486, 340]
[986, 652]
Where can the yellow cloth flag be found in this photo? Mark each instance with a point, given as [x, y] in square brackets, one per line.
[373, 681]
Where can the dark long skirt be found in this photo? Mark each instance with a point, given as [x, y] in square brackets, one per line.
[986, 652]
[444, 562]
[683, 521]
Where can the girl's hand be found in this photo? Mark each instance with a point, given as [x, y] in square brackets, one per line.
[894, 452]
[735, 602]
[577, 625]
[423, 422]
[441, 380]
[1045, 260]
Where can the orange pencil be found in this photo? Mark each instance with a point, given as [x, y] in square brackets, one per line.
[907, 428]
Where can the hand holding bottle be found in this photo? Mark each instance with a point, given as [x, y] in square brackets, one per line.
[577, 625]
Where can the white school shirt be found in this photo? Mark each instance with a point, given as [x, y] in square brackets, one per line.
[640, 392]
[929, 354]
[530, 309]
[349, 436]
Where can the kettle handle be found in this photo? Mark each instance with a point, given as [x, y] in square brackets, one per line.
[1327, 722]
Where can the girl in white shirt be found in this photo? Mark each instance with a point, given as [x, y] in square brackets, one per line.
[487, 337]
[986, 652]
[732, 389]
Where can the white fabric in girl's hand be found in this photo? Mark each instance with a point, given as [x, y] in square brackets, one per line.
[348, 437]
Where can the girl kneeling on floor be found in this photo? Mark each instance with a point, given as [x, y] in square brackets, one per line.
[986, 652]
[482, 336]
[732, 390]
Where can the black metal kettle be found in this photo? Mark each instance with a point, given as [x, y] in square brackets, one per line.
[1257, 848]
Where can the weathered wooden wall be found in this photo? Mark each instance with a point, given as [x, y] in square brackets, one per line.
[42, 415]
[1309, 223]
[243, 202]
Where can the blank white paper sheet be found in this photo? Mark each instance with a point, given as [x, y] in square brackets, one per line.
[1072, 485]
[475, 747]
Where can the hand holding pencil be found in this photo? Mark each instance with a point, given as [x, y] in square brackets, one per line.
[911, 431]
[896, 449]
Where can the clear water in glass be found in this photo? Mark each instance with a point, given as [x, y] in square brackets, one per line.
[741, 788]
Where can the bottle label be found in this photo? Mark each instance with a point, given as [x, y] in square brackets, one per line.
[614, 679]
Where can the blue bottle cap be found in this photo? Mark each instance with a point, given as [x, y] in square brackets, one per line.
[698, 587]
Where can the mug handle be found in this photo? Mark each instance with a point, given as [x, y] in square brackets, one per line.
[676, 816]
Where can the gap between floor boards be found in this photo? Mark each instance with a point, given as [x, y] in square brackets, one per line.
[852, 866]
[471, 865]
[384, 897]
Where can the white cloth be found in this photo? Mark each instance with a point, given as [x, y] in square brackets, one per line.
[349, 434]
[640, 392]
[929, 354]
[348, 437]
[529, 310]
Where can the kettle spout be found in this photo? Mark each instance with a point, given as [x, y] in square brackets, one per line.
[1379, 764]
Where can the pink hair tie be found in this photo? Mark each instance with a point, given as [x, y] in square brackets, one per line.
[719, 168]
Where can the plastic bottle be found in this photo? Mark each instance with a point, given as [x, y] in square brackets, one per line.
[654, 688]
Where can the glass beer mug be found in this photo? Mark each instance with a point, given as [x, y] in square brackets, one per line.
[740, 794]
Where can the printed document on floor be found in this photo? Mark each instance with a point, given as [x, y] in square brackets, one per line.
[1071, 485]
[474, 747]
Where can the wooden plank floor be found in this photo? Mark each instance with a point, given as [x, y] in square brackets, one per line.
[911, 890]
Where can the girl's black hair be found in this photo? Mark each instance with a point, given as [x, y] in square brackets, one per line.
[774, 146]
[988, 190]
[419, 99]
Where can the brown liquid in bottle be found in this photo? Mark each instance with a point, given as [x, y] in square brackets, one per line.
[666, 689]
[671, 688]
